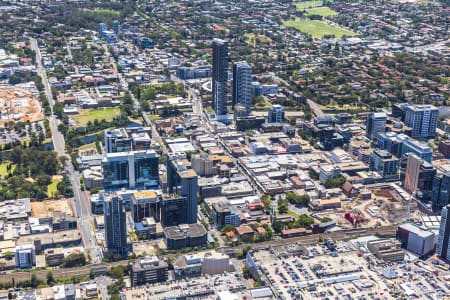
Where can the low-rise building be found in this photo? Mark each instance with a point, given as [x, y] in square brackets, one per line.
[185, 235]
[416, 239]
[386, 249]
[149, 269]
[210, 262]
[25, 256]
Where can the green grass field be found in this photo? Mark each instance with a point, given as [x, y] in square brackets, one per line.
[87, 115]
[318, 29]
[321, 11]
[308, 4]
[154, 117]
[52, 188]
[3, 171]
[105, 12]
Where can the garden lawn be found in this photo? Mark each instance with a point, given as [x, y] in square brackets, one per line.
[87, 115]
[318, 29]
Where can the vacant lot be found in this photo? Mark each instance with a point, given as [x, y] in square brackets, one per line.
[321, 11]
[46, 208]
[318, 29]
[308, 4]
[87, 115]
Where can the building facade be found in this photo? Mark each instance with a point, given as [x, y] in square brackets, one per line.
[149, 269]
[422, 119]
[135, 169]
[276, 114]
[441, 190]
[115, 225]
[242, 85]
[183, 181]
[220, 76]
[25, 256]
[224, 214]
[400, 144]
[375, 124]
[203, 165]
[173, 210]
[384, 163]
[443, 246]
[185, 235]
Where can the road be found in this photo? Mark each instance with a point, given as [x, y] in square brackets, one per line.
[136, 105]
[80, 203]
[315, 108]
[69, 53]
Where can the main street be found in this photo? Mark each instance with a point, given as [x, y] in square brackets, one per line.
[80, 202]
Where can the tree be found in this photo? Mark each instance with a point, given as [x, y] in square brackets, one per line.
[117, 272]
[267, 203]
[246, 272]
[64, 187]
[277, 226]
[227, 228]
[34, 281]
[8, 255]
[50, 278]
[304, 221]
[74, 260]
[335, 182]
[296, 199]
[325, 219]
[282, 206]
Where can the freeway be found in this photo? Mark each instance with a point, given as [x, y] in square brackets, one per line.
[80, 202]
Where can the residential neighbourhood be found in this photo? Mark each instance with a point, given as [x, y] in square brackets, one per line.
[224, 150]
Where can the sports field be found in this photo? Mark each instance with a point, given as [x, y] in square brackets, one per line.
[87, 115]
[308, 4]
[321, 11]
[318, 29]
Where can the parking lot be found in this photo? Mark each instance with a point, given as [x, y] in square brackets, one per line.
[22, 132]
[204, 287]
[340, 272]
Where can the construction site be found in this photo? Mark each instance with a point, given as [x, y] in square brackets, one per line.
[386, 206]
[18, 104]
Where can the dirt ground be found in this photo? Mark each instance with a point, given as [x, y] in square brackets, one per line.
[18, 104]
[45, 208]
